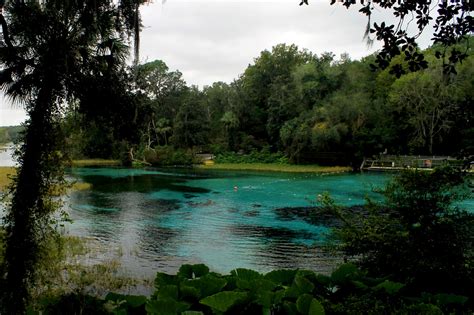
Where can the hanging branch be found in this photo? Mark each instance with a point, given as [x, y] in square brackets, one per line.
[136, 30]
[6, 34]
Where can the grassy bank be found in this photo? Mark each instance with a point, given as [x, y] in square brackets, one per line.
[6, 171]
[95, 162]
[274, 167]
[4, 174]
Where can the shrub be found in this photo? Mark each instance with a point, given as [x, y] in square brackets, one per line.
[263, 156]
[169, 156]
[418, 236]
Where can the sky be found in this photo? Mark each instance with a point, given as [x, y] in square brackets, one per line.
[215, 40]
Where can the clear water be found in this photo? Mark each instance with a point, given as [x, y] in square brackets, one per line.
[163, 218]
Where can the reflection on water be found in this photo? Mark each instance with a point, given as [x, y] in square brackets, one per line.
[6, 153]
[162, 219]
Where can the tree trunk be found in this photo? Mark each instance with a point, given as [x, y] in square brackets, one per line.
[30, 209]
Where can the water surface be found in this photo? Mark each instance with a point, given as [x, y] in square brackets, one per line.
[163, 218]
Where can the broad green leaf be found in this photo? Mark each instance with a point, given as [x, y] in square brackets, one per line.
[256, 284]
[190, 292]
[167, 291]
[245, 274]
[223, 301]
[207, 285]
[303, 302]
[290, 308]
[166, 307]
[265, 298]
[292, 292]
[283, 276]
[389, 286]
[323, 280]
[305, 273]
[446, 299]
[360, 285]
[303, 285]
[193, 271]
[316, 308]
[344, 272]
[165, 279]
[264, 285]
[133, 301]
[279, 295]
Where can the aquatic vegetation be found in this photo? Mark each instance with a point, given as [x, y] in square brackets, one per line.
[196, 290]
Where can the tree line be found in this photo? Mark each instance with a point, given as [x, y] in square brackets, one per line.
[311, 108]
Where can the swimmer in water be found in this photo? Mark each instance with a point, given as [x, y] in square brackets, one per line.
[236, 188]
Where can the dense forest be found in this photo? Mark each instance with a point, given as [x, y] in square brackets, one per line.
[289, 105]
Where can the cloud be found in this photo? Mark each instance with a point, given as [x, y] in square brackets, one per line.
[216, 40]
[211, 41]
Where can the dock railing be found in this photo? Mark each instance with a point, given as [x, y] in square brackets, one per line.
[399, 162]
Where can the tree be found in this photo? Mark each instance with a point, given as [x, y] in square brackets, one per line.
[295, 135]
[51, 48]
[231, 123]
[453, 24]
[161, 92]
[270, 71]
[429, 105]
[217, 101]
[190, 124]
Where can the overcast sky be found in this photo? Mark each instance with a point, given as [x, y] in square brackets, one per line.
[211, 41]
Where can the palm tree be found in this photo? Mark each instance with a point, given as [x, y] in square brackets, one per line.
[51, 49]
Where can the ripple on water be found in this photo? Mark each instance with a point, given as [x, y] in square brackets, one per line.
[164, 218]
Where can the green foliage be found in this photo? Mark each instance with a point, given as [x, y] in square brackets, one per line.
[169, 156]
[53, 53]
[418, 237]
[313, 109]
[223, 301]
[347, 291]
[263, 156]
[452, 25]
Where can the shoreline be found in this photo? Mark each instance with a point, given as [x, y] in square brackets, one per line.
[273, 167]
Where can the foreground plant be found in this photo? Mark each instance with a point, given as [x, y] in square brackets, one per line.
[419, 236]
[51, 51]
[194, 290]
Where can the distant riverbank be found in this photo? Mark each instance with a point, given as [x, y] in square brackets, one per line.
[274, 167]
[7, 171]
[264, 167]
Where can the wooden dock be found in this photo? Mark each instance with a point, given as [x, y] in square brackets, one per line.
[400, 162]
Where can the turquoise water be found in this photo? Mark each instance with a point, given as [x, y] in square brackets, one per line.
[162, 219]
